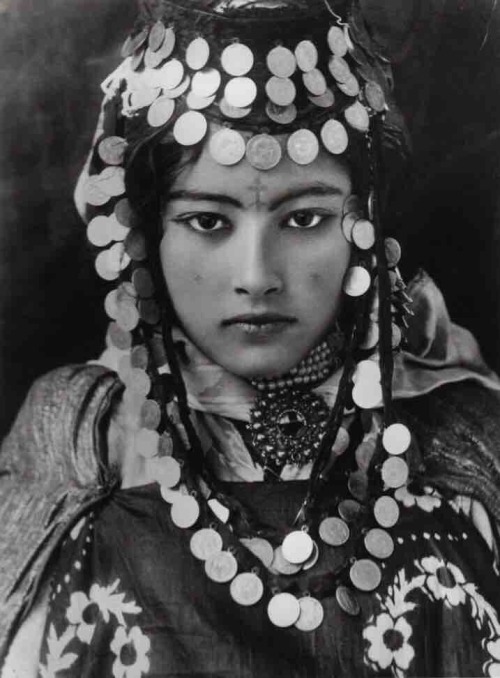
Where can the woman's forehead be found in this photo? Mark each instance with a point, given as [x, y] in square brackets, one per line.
[249, 185]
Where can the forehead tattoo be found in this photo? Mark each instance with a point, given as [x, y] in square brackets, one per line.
[258, 188]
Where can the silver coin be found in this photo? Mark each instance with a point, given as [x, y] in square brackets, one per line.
[110, 304]
[263, 151]
[143, 283]
[367, 394]
[233, 112]
[156, 35]
[99, 231]
[364, 453]
[197, 103]
[313, 558]
[314, 82]
[206, 82]
[336, 41]
[379, 543]
[166, 446]
[371, 338]
[127, 317]
[367, 370]
[160, 111]
[237, 59]
[357, 281]
[168, 495]
[168, 470]
[168, 44]
[149, 311]
[197, 54]
[306, 55]
[122, 340]
[137, 59]
[112, 181]
[283, 115]
[170, 75]
[303, 146]
[392, 251]
[363, 234]
[240, 92]
[219, 510]
[334, 531]
[311, 614]
[103, 269]
[334, 137]
[246, 589]
[221, 567]
[150, 416]
[117, 231]
[123, 212]
[325, 100]
[394, 472]
[281, 62]
[185, 511]
[339, 68]
[397, 335]
[283, 610]
[350, 87]
[347, 601]
[365, 574]
[152, 59]
[138, 381]
[93, 193]
[261, 548]
[348, 221]
[205, 543]
[227, 147]
[386, 511]
[349, 510]
[297, 547]
[179, 90]
[375, 96]
[396, 439]
[190, 128]
[134, 42]
[282, 565]
[112, 149]
[135, 245]
[358, 485]
[281, 91]
[146, 443]
[357, 117]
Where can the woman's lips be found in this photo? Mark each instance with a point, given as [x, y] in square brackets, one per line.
[260, 325]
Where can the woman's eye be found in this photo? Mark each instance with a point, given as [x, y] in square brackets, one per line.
[205, 222]
[304, 219]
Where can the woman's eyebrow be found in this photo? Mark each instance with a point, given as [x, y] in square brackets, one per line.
[203, 196]
[304, 191]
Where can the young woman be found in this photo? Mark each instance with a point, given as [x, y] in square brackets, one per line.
[285, 463]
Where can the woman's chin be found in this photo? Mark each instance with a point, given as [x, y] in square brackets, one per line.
[263, 368]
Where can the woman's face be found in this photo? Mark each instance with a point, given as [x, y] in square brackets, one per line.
[254, 261]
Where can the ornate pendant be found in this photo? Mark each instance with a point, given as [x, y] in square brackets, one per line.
[286, 427]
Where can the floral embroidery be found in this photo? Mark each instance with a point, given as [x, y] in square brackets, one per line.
[427, 502]
[389, 633]
[131, 653]
[389, 642]
[102, 605]
[445, 581]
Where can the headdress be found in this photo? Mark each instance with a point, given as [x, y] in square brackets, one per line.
[257, 70]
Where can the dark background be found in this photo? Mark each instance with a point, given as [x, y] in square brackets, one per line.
[54, 54]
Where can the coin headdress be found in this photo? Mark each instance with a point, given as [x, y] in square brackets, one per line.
[235, 76]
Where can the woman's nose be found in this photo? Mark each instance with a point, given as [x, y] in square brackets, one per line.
[256, 266]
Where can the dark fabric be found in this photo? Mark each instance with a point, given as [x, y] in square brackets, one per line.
[43, 459]
[129, 549]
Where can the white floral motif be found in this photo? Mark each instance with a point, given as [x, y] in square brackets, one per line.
[83, 609]
[57, 659]
[444, 581]
[131, 653]
[389, 645]
[427, 502]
